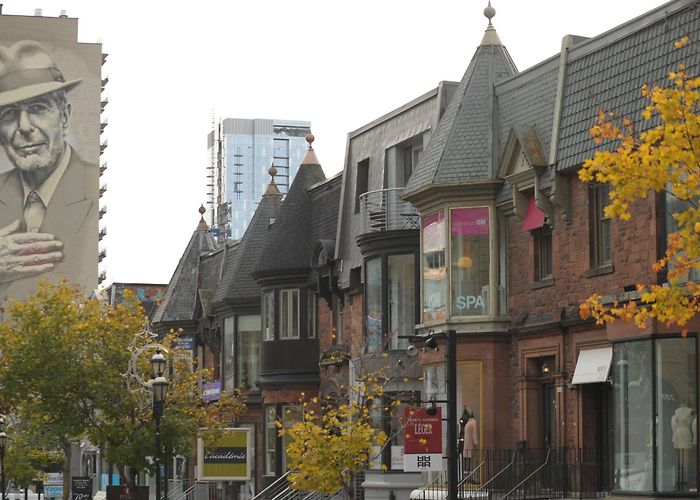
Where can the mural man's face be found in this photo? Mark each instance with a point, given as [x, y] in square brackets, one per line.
[33, 133]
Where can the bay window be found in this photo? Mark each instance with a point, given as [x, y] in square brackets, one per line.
[434, 270]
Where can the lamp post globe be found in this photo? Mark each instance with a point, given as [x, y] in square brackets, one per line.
[159, 386]
[158, 363]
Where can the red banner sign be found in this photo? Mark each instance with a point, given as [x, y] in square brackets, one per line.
[422, 432]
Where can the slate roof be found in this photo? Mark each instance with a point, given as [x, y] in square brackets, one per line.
[180, 299]
[528, 102]
[306, 216]
[236, 280]
[324, 219]
[607, 72]
[461, 148]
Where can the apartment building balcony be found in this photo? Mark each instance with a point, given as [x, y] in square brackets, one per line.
[384, 210]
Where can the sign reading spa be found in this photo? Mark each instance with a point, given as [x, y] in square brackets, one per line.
[228, 459]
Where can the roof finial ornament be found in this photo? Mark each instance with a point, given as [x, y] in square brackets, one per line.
[202, 223]
[273, 172]
[489, 12]
[310, 139]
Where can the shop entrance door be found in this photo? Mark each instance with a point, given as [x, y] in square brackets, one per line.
[549, 413]
[596, 435]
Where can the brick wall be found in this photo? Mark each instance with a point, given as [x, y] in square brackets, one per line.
[633, 252]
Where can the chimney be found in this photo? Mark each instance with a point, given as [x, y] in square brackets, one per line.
[64, 13]
[38, 12]
[0, 9]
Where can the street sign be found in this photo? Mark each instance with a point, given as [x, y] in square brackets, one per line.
[422, 440]
[53, 490]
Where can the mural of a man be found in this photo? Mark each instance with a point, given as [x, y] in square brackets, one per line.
[50, 196]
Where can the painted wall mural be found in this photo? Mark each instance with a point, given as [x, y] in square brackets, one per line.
[49, 173]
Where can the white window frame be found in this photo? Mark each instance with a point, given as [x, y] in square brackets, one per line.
[289, 327]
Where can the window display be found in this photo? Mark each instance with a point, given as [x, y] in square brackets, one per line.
[470, 261]
[655, 410]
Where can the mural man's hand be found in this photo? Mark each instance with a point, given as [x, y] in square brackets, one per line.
[26, 254]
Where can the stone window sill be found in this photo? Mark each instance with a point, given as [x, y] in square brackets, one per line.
[543, 283]
[599, 271]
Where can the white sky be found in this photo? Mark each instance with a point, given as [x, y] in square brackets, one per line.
[338, 64]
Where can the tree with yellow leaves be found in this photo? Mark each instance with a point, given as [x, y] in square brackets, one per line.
[663, 159]
[332, 442]
[335, 440]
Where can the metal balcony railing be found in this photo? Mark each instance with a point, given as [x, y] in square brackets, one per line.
[383, 210]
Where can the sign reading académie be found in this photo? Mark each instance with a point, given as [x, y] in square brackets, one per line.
[229, 459]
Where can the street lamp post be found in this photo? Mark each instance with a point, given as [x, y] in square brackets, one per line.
[3, 444]
[431, 342]
[159, 386]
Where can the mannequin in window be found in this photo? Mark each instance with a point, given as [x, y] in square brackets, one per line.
[471, 443]
[683, 441]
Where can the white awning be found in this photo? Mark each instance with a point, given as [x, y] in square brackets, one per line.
[593, 366]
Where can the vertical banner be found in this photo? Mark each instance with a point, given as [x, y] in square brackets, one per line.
[228, 459]
[422, 440]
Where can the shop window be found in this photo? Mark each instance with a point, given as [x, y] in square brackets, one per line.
[386, 414]
[228, 354]
[542, 239]
[655, 412]
[289, 314]
[248, 351]
[434, 270]
[268, 315]
[470, 262]
[600, 240]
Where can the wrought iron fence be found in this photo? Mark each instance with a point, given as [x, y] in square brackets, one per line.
[521, 475]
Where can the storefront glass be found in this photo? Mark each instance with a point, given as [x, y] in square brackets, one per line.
[654, 411]
[470, 261]
[434, 268]
[676, 410]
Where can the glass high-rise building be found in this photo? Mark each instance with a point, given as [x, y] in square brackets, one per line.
[242, 152]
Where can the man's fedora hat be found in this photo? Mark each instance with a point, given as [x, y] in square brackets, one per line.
[27, 70]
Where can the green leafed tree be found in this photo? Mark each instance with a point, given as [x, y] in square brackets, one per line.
[62, 368]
